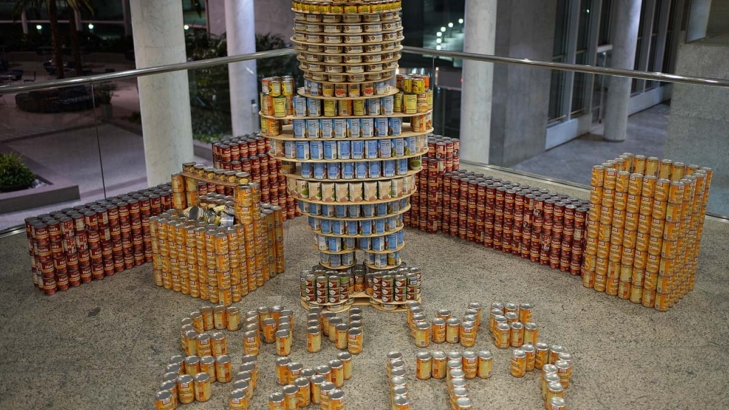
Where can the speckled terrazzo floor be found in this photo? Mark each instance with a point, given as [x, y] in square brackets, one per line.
[104, 345]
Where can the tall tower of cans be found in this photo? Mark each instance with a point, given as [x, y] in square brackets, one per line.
[644, 229]
[352, 138]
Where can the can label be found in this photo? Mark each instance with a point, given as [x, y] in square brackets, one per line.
[353, 127]
[313, 130]
[316, 149]
[367, 127]
[326, 129]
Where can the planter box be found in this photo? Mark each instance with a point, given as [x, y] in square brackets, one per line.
[58, 190]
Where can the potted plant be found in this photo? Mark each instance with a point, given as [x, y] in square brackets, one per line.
[14, 174]
[102, 94]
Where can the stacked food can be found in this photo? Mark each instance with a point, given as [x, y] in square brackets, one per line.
[644, 229]
[351, 140]
[94, 240]
[427, 205]
[249, 154]
[221, 248]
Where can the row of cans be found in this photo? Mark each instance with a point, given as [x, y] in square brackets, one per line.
[345, 149]
[644, 230]
[393, 37]
[350, 170]
[352, 191]
[356, 28]
[375, 91]
[367, 227]
[383, 209]
[75, 245]
[357, 128]
[391, 242]
[317, 11]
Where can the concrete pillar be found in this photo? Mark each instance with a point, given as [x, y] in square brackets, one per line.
[24, 22]
[699, 12]
[476, 97]
[164, 99]
[215, 14]
[241, 36]
[627, 18]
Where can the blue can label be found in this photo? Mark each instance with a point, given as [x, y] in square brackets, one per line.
[368, 211]
[344, 148]
[319, 170]
[398, 147]
[371, 149]
[307, 170]
[391, 224]
[315, 209]
[381, 127]
[409, 145]
[361, 170]
[388, 105]
[299, 128]
[380, 87]
[290, 149]
[388, 168]
[364, 243]
[340, 128]
[379, 226]
[333, 170]
[302, 206]
[302, 150]
[330, 150]
[326, 225]
[313, 128]
[326, 128]
[317, 149]
[353, 211]
[381, 209]
[385, 148]
[392, 241]
[337, 227]
[335, 245]
[314, 88]
[366, 227]
[358, 149]
[402, 166]
[367, 127]
[377, 243]
[340, 211]
[400, 238]
[335, 261]
[348, 259]
[327, 210]
[349, 243]
[299, 106]
[353, 128]
[314, 223]
[393, 207]
[314, 107]
[395, 125]
[373, 106]
[352, 227]
[347, 170]
[375, 169]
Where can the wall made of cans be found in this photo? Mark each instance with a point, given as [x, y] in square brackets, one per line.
[91, 241]
[644, 229]
[212, 260]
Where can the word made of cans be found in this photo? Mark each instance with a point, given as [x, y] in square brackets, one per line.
[644, 229]
[318, 386]
[453, 367]
[94, 240]
[444, 327]
[346, 335]
[249, 154]
[427, 204]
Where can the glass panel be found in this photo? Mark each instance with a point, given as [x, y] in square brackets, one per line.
[556, 93]
[104, 10]
[53, 132]
[6, 9]
[193, 12]
[605, 14]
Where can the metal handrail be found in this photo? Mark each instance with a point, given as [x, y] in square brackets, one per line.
[140, 72]
[192, 65]
[588, 69]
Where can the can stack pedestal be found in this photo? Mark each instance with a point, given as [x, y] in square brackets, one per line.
[644, 229]
[351, 142]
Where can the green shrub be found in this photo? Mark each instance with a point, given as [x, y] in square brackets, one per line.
[14, 173]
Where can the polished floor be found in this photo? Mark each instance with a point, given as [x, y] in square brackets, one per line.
[104, 345]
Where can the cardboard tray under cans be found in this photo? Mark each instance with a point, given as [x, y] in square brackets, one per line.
[370, 218]
[376, 235]
[331, 307]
